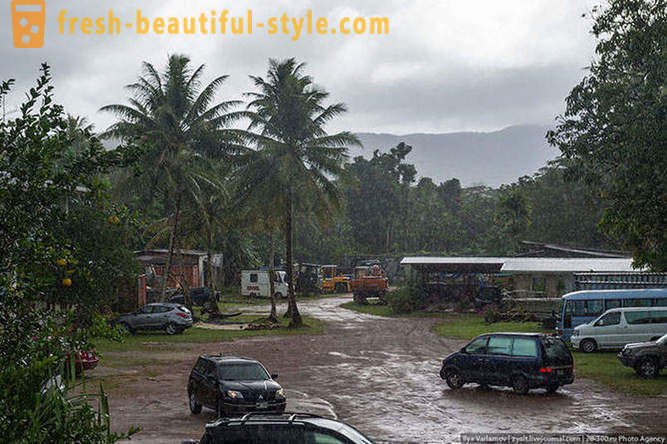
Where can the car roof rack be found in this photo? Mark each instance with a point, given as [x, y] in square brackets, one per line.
[293, 416]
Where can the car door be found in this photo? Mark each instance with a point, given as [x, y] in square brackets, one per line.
[156, 317]
[608, 331]
[209, 385]
[638, 326]
[470, 359]
[142, 317]
[497, 367]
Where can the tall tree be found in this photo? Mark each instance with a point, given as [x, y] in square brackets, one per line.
[613, 129]
[287, 122]
[175, 118]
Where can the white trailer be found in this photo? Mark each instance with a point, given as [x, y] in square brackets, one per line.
[256, 283]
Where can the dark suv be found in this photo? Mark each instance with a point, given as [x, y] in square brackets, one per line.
[519, 360]
[647, 358]
[232, 385]
[296, 428]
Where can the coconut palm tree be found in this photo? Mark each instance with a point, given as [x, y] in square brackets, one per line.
[173, 117]
[287, 124]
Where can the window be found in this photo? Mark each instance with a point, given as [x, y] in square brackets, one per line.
[539, 284]
[500, 345]
[609, 319]
[242, 372]
[661, 302]
[253, 277]
[556, 352]
[592, 307]
[321, 438]
[477, 346]
[524, 347]
[659, 317]
[612, 303]
[637, 303]
[638, 317]
[147, 309]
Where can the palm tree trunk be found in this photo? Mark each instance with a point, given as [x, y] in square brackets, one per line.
[184, 282]
[295, 317]
[272, 287]
[172, 242]
[211, 284]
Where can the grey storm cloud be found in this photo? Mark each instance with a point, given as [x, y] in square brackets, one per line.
[445, 65]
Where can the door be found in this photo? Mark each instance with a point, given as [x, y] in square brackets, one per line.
[638, 326]
[143, 316]
[209, 385]
[608, 331]
[471, 358]
[497, 367]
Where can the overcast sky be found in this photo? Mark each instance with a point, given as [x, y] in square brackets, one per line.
[447, 65]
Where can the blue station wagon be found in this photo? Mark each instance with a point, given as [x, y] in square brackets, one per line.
[522, 361]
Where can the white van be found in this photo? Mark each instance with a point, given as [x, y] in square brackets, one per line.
[620, 326]
[256, 283]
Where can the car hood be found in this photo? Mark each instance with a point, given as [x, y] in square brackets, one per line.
[636, 345]
[252, 386]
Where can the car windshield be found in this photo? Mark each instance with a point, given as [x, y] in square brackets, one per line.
[242, 372]
[556, 352]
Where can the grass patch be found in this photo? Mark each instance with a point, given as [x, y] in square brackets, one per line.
[605, 367]
[467, 326]
[156, 341]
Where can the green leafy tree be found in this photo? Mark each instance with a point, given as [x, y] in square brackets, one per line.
[46, 190]
[613, 129]
[287, 122]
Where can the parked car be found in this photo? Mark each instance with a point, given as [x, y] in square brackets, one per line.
[172, 318]
[290, 428]
[232, 385]
[647, 358]
[522, 361]
[620, 326]
[85, 360]
[198, 295]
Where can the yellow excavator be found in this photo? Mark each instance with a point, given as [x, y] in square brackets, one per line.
[332, 282]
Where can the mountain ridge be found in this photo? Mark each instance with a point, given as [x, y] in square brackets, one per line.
[474, 157]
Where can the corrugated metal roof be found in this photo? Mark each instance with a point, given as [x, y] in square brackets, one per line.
[566, 265]
[430, 260]
[530, 264]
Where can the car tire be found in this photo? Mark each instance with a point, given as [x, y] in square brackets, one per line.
[520, 385]
[647, 368]
[588, 346]
[454, 379]
[195, 407]
[278, 295]
[552, 388]
[171, 329]
[126, 327]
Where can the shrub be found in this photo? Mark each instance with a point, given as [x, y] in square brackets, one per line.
[406, 299]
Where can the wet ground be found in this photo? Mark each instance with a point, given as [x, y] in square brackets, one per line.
[380, 375]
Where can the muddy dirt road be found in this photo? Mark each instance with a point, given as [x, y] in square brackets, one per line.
[380, 375]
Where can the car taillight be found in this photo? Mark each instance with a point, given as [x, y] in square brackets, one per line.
[183, 315]
[546, 370]
[560, 332]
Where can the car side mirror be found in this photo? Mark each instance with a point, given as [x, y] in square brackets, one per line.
[274, 375]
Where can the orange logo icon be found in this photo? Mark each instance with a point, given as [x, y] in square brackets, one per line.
[28, 17]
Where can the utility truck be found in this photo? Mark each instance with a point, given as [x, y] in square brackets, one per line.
[255, 283]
